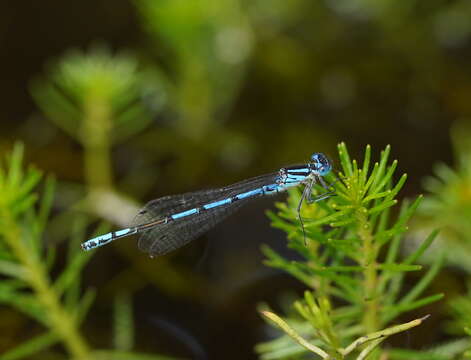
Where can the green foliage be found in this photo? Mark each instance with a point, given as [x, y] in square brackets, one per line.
[449, 206]
[351, 260]
[210, 43]
[94, 97]
[25, 263]
[123, 323]
[58, 303]
[460, 308]
[451, 350]
[449, 203]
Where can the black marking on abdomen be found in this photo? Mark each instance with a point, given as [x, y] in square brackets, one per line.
[302, 173]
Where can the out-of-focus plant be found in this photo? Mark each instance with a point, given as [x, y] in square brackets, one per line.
[351, 266]
[25, 263]
[209, 43]
[460, 311]
[96, 99]
[449, 207]
[449, 203]
[58, 303]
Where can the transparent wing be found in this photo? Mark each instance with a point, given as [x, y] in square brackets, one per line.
[164, 238]
[168, 237]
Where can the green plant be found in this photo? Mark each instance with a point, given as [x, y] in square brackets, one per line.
[460, 310]
[26, 264]
[96, 99]
[449, 206]
[449, 203]
[210, 43]
[351, 265]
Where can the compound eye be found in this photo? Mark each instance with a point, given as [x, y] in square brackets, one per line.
[321, 163]
[320, 160]
[315, 157]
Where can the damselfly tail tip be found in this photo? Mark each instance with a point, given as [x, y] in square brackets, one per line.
[87, 246]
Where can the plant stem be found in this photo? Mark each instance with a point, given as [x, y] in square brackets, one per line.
[98, 167]
[96, 141]
[196, 106]
[60, 322]
[383, 334]
[370, 317]
[294, 335]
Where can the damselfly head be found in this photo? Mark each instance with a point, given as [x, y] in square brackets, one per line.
[320, 164]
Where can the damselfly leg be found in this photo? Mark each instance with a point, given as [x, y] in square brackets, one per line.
[307, 195]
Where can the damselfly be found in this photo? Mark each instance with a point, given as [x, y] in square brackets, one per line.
[167, 223]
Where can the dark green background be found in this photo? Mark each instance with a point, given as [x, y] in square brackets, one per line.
[316, 76]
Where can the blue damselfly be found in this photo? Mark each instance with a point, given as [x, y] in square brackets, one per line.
[169, 222]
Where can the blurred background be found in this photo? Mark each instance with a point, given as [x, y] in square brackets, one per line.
[126, 101]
